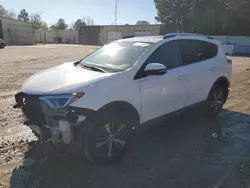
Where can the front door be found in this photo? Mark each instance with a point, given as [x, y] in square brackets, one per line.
[162, 94]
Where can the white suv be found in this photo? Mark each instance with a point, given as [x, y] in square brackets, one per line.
[93, 104]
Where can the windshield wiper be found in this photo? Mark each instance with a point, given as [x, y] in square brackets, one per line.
[94, 68]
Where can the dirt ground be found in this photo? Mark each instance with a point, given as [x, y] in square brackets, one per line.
[187, 151]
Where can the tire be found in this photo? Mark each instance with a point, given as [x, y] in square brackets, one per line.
[216, 100]
[106, 138]
[1, 45]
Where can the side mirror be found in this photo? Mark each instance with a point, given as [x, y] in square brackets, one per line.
[155, 69]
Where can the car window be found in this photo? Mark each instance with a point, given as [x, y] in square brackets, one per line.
[166, 54]
[193, 51]
[117, 56]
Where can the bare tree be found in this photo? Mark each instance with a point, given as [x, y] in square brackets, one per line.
[44, 25]
[3, 11]
[7, 13]
[88, 21]
[36, 20]
[92, 21]
[11, 14]
[71, 25]
[83, 19]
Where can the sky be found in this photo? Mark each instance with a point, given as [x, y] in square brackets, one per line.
[102, 11]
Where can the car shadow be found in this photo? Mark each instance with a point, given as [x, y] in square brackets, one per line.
[186, 151]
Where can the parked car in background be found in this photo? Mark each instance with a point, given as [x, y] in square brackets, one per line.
[2, 43]
[94, 104]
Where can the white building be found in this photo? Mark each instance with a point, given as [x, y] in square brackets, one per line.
[103, 34]
[52, 36]
[16, 32]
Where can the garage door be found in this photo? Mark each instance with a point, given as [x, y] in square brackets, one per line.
[142, 33]
[49, 37]
[113, 35]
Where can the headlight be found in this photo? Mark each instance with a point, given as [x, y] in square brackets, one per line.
[59, 101]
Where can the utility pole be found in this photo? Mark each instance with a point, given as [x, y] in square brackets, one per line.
[115, 11]
[194, 16]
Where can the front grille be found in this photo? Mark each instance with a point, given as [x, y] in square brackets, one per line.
[32, 110]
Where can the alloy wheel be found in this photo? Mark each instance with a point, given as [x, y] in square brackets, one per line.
[111, 140]
[217, 101]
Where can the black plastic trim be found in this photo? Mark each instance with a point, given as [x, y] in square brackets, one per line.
[224, 79]
[84, 111]
[165, 117]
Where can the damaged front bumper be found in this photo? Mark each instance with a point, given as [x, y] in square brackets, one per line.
[48, 121]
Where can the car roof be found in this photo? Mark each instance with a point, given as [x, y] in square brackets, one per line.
[155, 39]
[147, 39]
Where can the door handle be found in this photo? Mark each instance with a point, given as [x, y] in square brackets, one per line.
[213, 69]
[181, 77]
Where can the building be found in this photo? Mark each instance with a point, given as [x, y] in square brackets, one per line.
[53, 36]
[100, 35]
[16, 32]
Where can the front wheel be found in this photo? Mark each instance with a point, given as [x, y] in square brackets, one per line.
[106, 139]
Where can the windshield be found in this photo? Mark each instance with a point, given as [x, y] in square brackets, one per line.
[117, 56]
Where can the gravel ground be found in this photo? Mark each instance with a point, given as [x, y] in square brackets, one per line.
[187, 151]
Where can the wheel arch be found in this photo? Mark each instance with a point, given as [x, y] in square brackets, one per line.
[125, 108]
[221, 81]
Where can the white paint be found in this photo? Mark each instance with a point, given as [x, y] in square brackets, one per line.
[200, 78]
[151, 96]
[228, 49]
[162, 94]
[113, 35]
[155, 66]
[60, 79]
[141, 44]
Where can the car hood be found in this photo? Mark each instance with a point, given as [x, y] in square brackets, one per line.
[62, 79]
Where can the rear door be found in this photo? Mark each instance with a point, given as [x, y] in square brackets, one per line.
[199, 59]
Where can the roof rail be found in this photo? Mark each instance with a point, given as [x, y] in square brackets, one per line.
[169, 35]
[126, 37]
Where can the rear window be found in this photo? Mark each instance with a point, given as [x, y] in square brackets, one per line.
[193, 51]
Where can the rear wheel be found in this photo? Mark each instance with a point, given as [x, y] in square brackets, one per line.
[217, 98]
[106, 139]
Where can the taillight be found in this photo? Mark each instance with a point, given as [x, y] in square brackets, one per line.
[229, 61]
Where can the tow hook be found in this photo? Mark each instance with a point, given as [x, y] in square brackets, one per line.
[19, 98]
[18, 106]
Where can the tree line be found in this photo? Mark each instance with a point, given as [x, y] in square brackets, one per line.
[213, 17]
[39, 23]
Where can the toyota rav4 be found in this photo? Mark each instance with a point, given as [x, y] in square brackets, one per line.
[94, 104]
